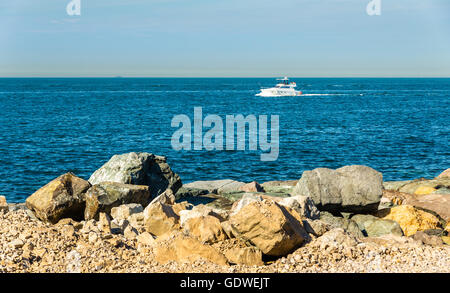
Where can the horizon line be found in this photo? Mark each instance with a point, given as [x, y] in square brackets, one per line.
[124, 77]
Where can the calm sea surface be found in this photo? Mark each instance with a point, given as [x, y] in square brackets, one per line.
[51, 126]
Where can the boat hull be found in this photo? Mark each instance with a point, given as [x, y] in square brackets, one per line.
[278, 93]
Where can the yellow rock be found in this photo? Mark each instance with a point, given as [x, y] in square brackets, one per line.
[180, 248]
[423, 190]
[412, 220]
[269, 226]
[250, 256]
[178, 207]
[207, 229]
[146, 239]
[61, 198]
[446, 239]
[160, 219]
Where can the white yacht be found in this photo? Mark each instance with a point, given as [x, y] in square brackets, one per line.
[282, 89]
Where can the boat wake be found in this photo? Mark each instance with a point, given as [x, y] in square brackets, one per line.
[314, 95]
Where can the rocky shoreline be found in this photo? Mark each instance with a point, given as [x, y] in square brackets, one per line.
[135, 215]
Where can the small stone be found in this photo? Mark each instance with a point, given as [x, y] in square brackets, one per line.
[89, 226]
[68, 231]
[124, 211]
[119, 226]
[130, 232]
[428, 239]
[17, 243]
[93, 237]
[137, 221]
[104, 223]
[146, 239]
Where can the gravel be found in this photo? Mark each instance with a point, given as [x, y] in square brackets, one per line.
[28, 245]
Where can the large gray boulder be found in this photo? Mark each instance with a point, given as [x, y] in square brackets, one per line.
[139, 169]
[352, 189]
[107, 195]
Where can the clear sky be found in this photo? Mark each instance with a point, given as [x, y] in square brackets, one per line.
[298, 38]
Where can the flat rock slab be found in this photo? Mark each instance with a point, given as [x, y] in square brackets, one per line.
[216, 186]
[279, 186]
[395, 185]
[416, 185]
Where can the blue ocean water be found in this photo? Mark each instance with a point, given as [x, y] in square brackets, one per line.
[51, 126]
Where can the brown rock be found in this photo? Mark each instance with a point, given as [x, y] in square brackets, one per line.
[61, 198]
[146, 239]
[182, 249]
[207, 229]
[226, 226]
[104, 223]
[428, 239]
[107, 195]
[436, 203]
[68, 231]
[395, 197]
[167, 197]
[199, 211]
[160, 218]
[178, 207]
[130, 233]
[252, 187]
[124, 211]
[446, 239]
[137, 221]
[250, 256]
[269, 226]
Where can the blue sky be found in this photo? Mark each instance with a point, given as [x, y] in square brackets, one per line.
[301, 38]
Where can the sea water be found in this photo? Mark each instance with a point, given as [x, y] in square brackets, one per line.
[49, 126]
